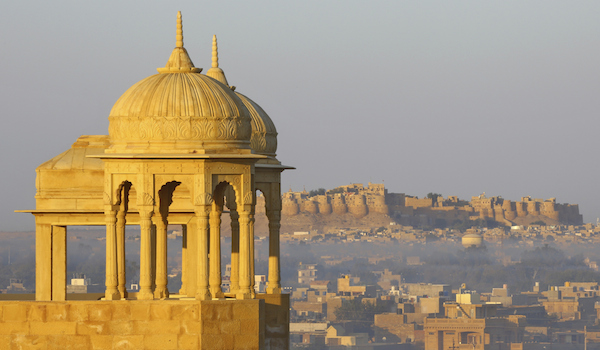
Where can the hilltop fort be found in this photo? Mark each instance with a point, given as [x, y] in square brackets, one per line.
[357, 203]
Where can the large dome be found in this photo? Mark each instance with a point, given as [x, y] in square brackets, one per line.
[179, 110]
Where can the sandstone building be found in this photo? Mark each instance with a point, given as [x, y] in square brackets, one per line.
[182, 148]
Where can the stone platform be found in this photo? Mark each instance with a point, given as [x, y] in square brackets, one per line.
[146, 324]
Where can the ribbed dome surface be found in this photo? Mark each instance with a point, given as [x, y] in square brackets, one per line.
[180, 107]
[264, 134]
[179, 110]
[178, 95]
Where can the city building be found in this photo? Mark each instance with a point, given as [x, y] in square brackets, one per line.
[472, 326]
[307, 273]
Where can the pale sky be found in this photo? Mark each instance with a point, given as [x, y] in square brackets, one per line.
[453, 97]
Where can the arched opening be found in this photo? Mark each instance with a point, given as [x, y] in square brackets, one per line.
[159, 246]
[222, 276]
[269, 202]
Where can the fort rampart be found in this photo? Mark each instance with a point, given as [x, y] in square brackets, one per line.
[359, 201]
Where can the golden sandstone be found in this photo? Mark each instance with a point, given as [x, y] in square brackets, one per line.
[182, 147]
[360, 200]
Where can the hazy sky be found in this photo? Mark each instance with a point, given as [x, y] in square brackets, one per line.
[453, 97]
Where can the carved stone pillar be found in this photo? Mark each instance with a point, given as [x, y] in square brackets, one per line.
[245, 274]
[161, 291]
[59, 263]
[43, 262]
[145, 292]
[274, 283]
[202, 212]
[215, 252]
[153, 256]
[121, 278]
[252, 279]
[191, 274]
[111, 293]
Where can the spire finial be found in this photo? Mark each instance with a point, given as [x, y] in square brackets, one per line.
[215, 53]
[215, 72]
[179, 61]
[179, 36]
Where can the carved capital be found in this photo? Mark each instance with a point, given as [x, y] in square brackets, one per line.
[146, 199]
[204, 199]
[110, 217]
[273, 215]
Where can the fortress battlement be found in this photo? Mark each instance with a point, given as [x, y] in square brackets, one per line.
[360, 200]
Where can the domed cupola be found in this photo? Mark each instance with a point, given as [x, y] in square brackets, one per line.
[264, 134]
[179, 110]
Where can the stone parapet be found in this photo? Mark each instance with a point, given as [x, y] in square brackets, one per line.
[140, 324]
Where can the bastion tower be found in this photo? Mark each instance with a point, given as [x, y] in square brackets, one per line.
[182, 148]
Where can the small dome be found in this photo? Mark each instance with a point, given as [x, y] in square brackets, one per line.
[264, 135]
[471, 240]
[179, 110]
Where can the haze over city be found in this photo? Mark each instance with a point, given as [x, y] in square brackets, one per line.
[452, 98]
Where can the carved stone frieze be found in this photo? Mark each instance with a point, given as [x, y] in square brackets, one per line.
[158, 128]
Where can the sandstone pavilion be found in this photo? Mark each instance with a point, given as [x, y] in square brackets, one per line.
[182, 148]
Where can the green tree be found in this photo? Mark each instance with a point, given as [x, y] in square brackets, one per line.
[356, 310]
[433, 196]
[336, 190]
[317, 192]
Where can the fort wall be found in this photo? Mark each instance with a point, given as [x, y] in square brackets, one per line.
[374, 198]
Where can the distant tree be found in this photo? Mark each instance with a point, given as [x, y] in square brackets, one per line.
[546, 257]
[336, 190]
[356, 310]
[433, 196]
[440, 223]
[474, 256]
[442, 258]
[558, 278]
[430, 237]
[317, 192]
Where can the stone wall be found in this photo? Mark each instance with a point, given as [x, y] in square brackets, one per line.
[360, 201]
[152, 324]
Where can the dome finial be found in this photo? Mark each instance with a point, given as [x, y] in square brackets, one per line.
[179, 61]
[179, 36]
[215, 53]
[215, 72]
